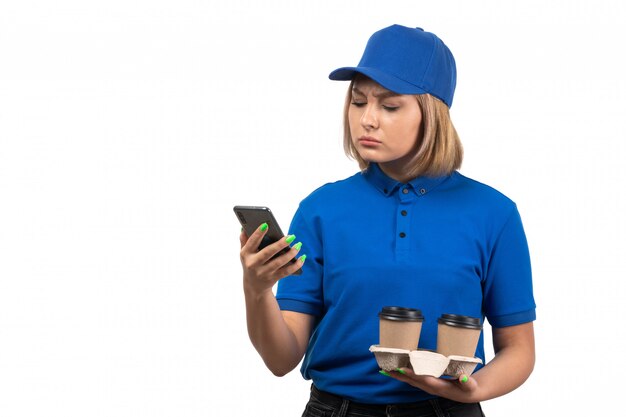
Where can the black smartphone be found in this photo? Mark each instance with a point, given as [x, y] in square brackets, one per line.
[251, 217]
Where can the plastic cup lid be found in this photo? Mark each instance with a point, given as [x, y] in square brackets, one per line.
[401, 314]
[457, 320]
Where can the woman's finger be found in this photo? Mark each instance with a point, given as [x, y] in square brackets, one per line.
[243, 238]
[253, 242]
[267, 254]
[467, 383]
[286, 258]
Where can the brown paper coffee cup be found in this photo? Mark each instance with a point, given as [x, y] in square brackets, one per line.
[400, 327]
[458, 335]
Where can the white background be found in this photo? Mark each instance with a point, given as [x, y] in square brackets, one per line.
[129, 129]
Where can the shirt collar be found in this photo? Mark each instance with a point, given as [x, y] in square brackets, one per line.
[388, 186]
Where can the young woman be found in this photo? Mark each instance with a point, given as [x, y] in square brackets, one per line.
[408, 230]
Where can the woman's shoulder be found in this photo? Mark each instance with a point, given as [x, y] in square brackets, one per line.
[336, 187]
[334, 190]
[480, 193]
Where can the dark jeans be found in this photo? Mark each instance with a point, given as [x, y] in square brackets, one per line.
[323, 404]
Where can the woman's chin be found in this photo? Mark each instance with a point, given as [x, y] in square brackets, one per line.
[372, 157]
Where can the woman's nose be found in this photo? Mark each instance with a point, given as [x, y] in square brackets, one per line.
[369, 118]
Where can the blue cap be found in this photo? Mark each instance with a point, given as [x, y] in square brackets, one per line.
[406, 61]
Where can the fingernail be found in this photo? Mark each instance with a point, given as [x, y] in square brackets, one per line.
[383, 373]
[302, 258]
[264, 227]
[464, 379]
[297, 246]
[290, 238]
[401, 371]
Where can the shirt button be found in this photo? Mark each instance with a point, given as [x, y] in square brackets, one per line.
[423, 191]
[402, 234]
[405, 191]
[403, 212]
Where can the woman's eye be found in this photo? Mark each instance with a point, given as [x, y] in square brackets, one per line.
[390, 108]
[358, 103]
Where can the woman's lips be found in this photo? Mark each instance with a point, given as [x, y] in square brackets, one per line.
[369, 141]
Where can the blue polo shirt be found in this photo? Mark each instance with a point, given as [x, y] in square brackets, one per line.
[442, 245]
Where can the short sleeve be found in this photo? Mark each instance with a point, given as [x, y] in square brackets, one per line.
[304, 293]
[507, 290]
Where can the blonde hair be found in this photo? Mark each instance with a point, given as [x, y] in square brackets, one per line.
[439, 152]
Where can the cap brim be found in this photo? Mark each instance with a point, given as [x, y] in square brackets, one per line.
[388, 81]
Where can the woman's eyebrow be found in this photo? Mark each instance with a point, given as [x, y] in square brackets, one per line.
[379, 95]
[385, 94]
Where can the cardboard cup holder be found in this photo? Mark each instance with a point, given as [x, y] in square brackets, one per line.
[424, 362]
[390, 359]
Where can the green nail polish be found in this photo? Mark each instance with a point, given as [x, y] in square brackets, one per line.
[290, 238]
[302, 258]
[264, 227]
[383, 373]
[464, 379]
[297, 246]
[401, 371]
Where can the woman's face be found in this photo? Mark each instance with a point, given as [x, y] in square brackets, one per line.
[385, 127]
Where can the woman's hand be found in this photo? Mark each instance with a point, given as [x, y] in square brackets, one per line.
[260, 271]
[465, 389]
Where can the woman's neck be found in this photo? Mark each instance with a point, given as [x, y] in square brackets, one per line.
[395, 171]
